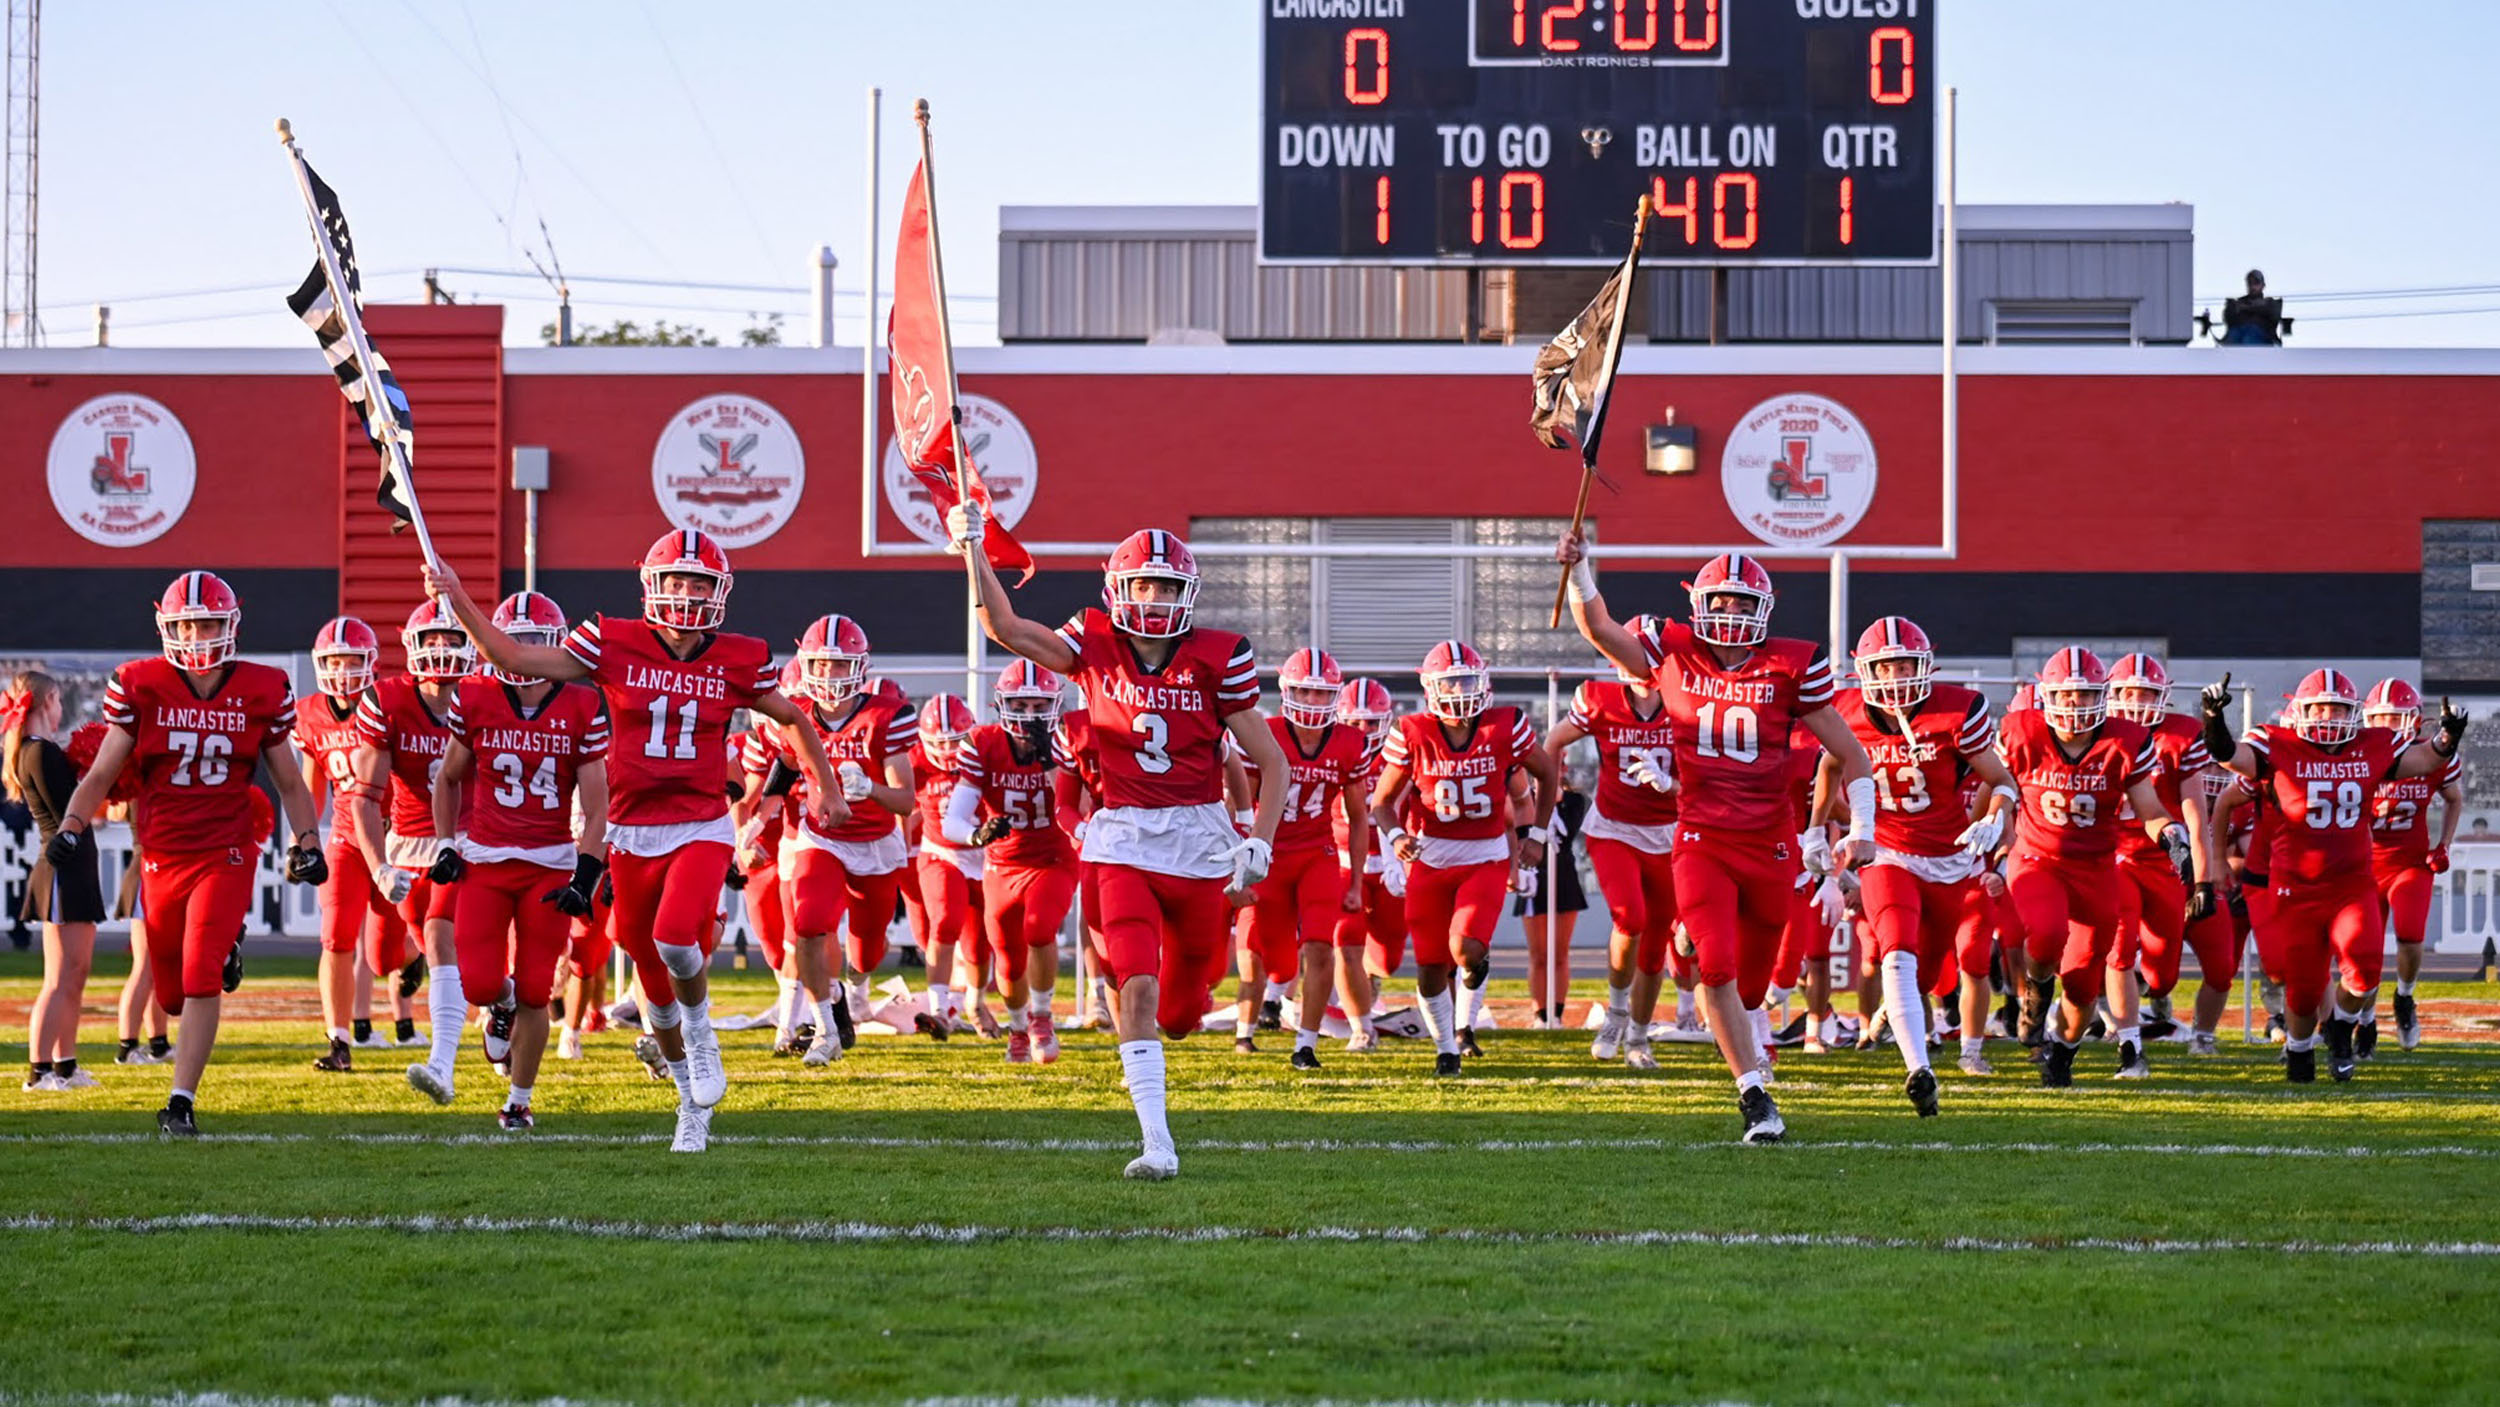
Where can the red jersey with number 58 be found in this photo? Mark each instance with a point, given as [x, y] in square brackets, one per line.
[1159, 734]
[2322, 800]
[1462, 789]
[1316, 779]
[327, 739]
[2400, 817]
[194, 756]
[1919, 770]
[1021, 792]
[2071, 802]
[1602, 708]
[395, 716]
[521, 786]
[1731, 726]
[671, 717]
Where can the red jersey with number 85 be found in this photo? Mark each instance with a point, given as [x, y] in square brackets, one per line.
[2071, 802]
[1019, 791]
[396, 716]
[1315, 781]
[1462, 788]
[1731, 723]
[1602, 708]
[670, 757]
[194, 756]
[521, 787]
[1159, 734]
[2322, 800]
[1919, 769]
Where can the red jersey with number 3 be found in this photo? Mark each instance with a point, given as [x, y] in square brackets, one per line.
[2400, 817]
[873, 734]
[1602, 708]
[2322, 800]
[397, 717]
[1732, 728]
[327, 739]
[194, 756]
[1317, 778]
[2071, 800]
[1920, 769]
[671, 716]
[1019, 791]
[1462, 788]
[1159, 734]
[526, 760]
[2179, 753]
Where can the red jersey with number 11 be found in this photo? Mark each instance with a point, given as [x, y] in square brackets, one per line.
[670, 760]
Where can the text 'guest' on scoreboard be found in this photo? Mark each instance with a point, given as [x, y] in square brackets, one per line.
[1522, 132]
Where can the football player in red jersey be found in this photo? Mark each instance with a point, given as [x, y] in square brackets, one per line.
[1162, 694]
[354, 911]
[2319, 772]
[1458, 756]
[507, 842]
[1078, 789]
[195, 721]
[1630, 834]
[1371, 942]
[1921, 892]
[764, 824]
[949, 875]
[1732, 691]
[673, 680]
[2076, 765]
[2161, 912]
[1004, 805]
[403, 728]
[2403, 855]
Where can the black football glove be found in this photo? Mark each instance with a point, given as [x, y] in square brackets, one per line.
[61, 851]
[448, 867]
[305, 864]
[989, 830]
[607, 890]
[573, 899]
[2451, 729]
[2215, 701]
[2201, 902]
[737, 878]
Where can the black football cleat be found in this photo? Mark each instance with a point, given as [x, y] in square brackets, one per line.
[2301, 1066]
[1305, 1058]
[789, 1046]
[929, 1026]
[1243, 1045]
[1762, 1116]
[2131, 1062]
[1922, 1092]
[2364, 1040]
[1446, 1063]
[339, 1061]
[497, 1037]
[2339, 1048]
[231, 976]
[1271, 1016]
[2057, 1070]
[2032, 1029]
[1467, 1043]
[2408, 1022]
[843, 1029]
[175, 1120]
[412, 976]
[515, 1118]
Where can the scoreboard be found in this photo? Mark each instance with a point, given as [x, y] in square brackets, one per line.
[1523, 132]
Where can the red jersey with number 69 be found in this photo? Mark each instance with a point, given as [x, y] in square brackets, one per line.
[1159, 734]
[327, 739]
[671, 717]
[521, 786]
[2400, 817]
[874, 733]
[1602, 708]
[1316, 779]
[2179, 752]
[397, 717]
[1019, 791]
[2322, 800]
[2071, 801]
[1731, 726]
[194, 756]
[1462, 788]
[1919, 770]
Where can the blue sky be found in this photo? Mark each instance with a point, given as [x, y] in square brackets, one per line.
[2341, 146]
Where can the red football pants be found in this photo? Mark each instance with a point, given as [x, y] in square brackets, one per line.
[591, 941]
[349, 897]
[2069, 910]
[2152, 916]
[504, 928]
[823, 893]
[1640, 897]
[2328, 923]
[953, 904]
[1806, 938]
[1379, 930]
[1089, 913]
[2405, 892]
[194, 903]
[1447, 907]
[1297, 903]
[768, 910]
[667, 899]
[1170, 927]
[1940, 923]
[1022, 909]
[1734, 891]
[427, 902]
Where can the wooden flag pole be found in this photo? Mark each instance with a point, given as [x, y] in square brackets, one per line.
[975, 641]
[1614, 350]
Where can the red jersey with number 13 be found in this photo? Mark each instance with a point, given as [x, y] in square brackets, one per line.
[670, 760]
[1919, 769]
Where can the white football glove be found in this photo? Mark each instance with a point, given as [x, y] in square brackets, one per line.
[855, 783]
[1393, 878]
[1077, 833]
[396, 883]
[1980, 837]
[2174, 841]
[963, 527]
[1645, 770]
[1828, 902]
[1249, 861]
[1814, 845]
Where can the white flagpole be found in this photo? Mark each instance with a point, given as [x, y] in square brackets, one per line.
[376, 401]
[976, 645]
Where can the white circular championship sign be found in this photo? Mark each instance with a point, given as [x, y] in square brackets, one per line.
[1798, 470]
[121, 470]
[1002, 454]
[729, 466]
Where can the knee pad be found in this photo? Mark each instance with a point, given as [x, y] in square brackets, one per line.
[681, 959]
[665, 1017]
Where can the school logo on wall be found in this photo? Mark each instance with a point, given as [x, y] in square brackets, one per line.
[1002, 452]
[1798, 471]
[121, 470]
[729, 466]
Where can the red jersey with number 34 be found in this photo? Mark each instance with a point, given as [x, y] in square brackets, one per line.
[194, 756]
[2321, 800]
[1021, 792]
[521, 786]
[1919, 769]
[670, 758]
[1732, 726]
[1316, 780]
[1602, 708]
[397, 717]
[1463, 787]
[2071, 801]
[1159, 734]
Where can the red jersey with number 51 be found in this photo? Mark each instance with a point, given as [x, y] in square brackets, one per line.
[670, 756]
[396, 716]
[2400, 817]
[1461, 789]
[1159, 733]
[1316, 778]
[1602, 708]
[1919, 769]
[194, 756]
[327, 738]
[1021, 792]
[2071, 801]
[1731, 722]
[2322, 800]
[521, 787]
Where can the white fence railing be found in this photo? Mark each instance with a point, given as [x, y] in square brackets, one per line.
[2465, 902]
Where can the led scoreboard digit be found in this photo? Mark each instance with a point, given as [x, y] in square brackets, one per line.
[1515, 132]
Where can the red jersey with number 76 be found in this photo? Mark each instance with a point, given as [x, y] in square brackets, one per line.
[194, 756]
[670, 756]
[1462, 787]
[2322, 800]
[1159, 733]
[521, 787]
[2072, 799]
[1732, 736]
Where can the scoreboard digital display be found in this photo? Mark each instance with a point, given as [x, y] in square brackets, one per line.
[1523, 132]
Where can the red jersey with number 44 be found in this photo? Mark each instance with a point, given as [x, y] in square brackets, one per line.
[2071, 801]
[1021, 792]
[1159, 734]
[2400, 817]
[1602, 708]
[1919, 770]
[1317, 778]
[396, 716]
[2179, 753]
[670, 756]
[194, 756]
[2323, 817]
[1732, 726]
[521, 787]
[1462, 788]
[327, 739]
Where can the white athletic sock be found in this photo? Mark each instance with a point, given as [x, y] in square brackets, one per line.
[1777, 999]
[826, 1028]
[2368, 1014]
[1618, 1001]
[1364, 1023]
[1015, 1015]
[449, 1011]
[683, 1077]
[519, 1098]
[1306, 1040]
[1909, 1017]
[699, 1016]
[1751, 1079]
[2307, 1042]
[2404, 986]
[1974, 1045]
[338, 1033]
[1761, 1028]
[1142, 1063]
[2130, 1035]
[1278, 991]
[1040, 1004]
[1438, 1018]
[786, 1007]
[1685, 1010]
[1474, 1010]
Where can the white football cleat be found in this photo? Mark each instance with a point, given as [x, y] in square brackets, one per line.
[822, 1051]
[1609, 1042]
[1362, 1041]
[432, 1083]
[76, 1079]
[694, 1129]
[1977, 1065]
[569, 1045]
[1636, 1056]
[1154, 1165]
[706, 1081]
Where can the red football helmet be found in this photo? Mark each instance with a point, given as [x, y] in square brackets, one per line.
[945, 721]
[887, 691]
[1457, 685]
[1150, 555]
[2396, 706]
[2026, 696]
[1309, 684]
[2074, 690]
[430, 654]
[343, 654]
[1731, 597]
[1896, 641]
[833, 660]
[1027, 693]
[792, 680]
[685, 582]
[2326, 708]
[531, 619]
[2139, 689]
[196, 621]
[1365, 706]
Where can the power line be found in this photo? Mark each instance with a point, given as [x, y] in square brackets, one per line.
[2364, 295]
[728, 170]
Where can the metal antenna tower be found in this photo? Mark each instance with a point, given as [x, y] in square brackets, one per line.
[18, 323]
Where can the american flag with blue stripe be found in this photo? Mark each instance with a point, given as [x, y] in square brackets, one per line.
[322, 310]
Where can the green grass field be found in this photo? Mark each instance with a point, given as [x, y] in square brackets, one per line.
[927, 1222]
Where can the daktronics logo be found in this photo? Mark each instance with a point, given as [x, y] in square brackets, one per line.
[121, 470]
[1798, 471]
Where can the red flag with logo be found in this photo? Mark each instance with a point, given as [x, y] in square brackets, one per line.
[921, 368]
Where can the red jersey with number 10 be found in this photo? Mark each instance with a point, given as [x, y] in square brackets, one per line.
[1919, 769]
[1602, 708]
[1463, 788]
[194, 756]
[1019, 791]
[1732, 726]
[2322, 800]
[521, 787]
[2071, 801]
[1316, 779]
[1159, 733]
[670, 760]
[397, 717]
